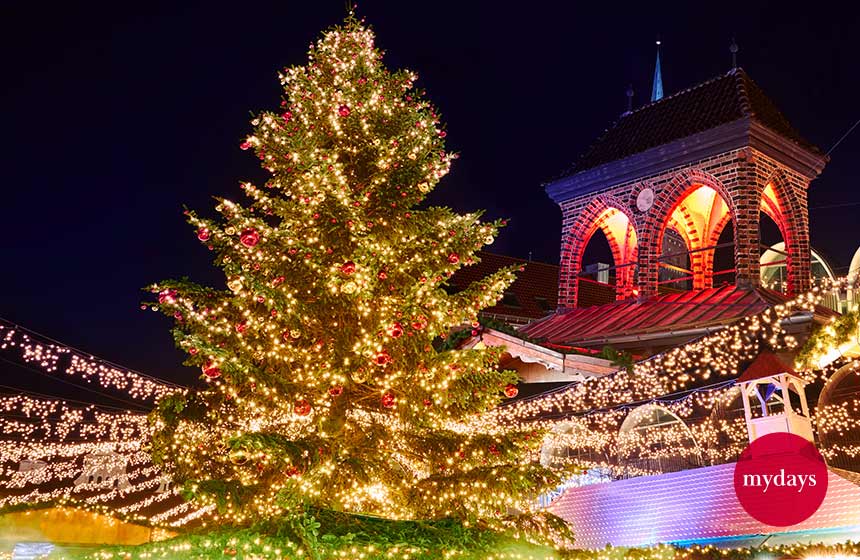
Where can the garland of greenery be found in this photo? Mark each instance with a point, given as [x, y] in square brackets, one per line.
[825, 337]
[325, 535]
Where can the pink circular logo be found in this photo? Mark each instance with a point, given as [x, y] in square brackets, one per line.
[781, 479]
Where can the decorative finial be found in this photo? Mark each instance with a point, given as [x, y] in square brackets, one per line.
[657, 88]
[629, 93]
[733, 48]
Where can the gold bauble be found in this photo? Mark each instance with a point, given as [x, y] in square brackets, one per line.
[238, 457]
[349, 288]
[295, 333]
[230, 230]
[235, 284]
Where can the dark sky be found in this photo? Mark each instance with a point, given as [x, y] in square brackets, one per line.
[114, 117]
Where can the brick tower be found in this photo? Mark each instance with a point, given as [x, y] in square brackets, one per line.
[690, 164]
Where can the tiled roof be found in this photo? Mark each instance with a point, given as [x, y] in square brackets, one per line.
[765, 364]
[724, 99]
[665, 313]
[535, 291]
[696, 505]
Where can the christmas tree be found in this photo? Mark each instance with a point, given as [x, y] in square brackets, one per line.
[326, 383]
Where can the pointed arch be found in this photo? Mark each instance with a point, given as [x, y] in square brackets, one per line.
[696, 204]
[779, 202]
[617, 223]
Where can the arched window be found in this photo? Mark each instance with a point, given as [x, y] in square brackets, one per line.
[699, 218]
[653, 439]
[607, 259]
[837, 418]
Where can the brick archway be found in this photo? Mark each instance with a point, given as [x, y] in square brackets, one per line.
[617, 223]
[674, 209]
[779, 202]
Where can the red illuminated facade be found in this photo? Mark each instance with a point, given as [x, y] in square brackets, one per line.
[718, 155]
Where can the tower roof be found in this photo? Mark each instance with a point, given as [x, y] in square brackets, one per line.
[766, 364]
[724, 99]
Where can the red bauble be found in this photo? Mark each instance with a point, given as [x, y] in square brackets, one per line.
[348, 267]
[167, 296]
[245, 145]
[493, 449]
[383, 358]
[453, 258]
[382, 275]
[302, 408]
[278, 281]
[211, 370]
[287, 116]
[511, 390]
[388, 400]
[343, 111]
[335, 390]
[396, 330]
[428, 402]
[419, 323]
[203, 234]
[241, 326]
[249, 237]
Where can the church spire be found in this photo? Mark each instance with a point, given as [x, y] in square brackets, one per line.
[657, 88]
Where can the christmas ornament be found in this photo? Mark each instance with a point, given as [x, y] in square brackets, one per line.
[167, 296]
[278, 281]
[383, 358]
[295, 333]
[203, 234]
[453, 258]
[241, 326]
[211, 370]
[302, 408]
[396, 330]
[235, 284]
[249, 237]
[388, 399]
[347, 268]
[238, 456]
[349, 288]
[335, 390]
[343, 111]
[419, 323]
[511, 390]
[382, 275]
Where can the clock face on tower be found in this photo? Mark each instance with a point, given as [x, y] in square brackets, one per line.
[645, 200]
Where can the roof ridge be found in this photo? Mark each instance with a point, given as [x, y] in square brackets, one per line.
[741, 78]
[680, 92]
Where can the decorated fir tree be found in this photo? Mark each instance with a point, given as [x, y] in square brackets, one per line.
[326, 386]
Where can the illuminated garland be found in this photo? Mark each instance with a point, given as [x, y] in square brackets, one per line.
[54, 358]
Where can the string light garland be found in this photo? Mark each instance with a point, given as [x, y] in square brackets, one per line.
[55, 358]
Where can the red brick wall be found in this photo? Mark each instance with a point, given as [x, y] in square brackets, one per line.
[739, 176]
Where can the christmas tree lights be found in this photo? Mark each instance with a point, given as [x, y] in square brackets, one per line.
[324, 387]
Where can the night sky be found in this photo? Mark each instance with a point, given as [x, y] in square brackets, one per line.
[115, 117]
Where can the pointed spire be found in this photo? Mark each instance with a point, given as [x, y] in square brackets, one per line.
[733, 48]
[629, 93]
[657, 88]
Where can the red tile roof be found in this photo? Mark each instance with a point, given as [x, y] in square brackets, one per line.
[721, 100]
[696, 505]
[535, 290]
[661, 314]
[765, 364]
